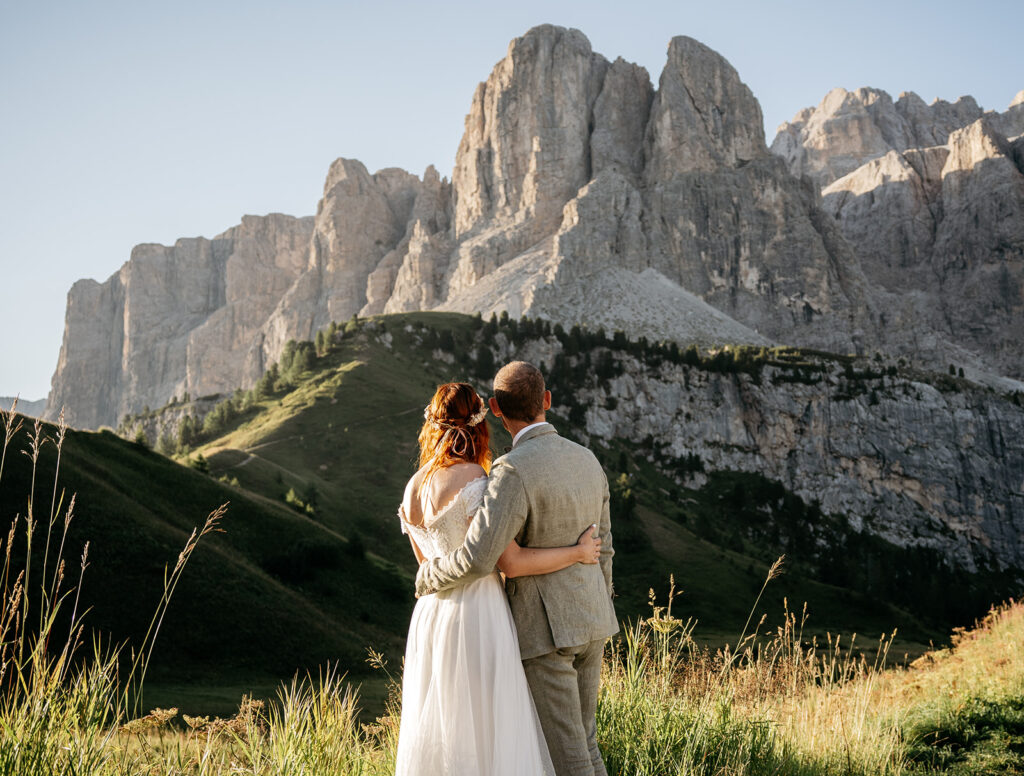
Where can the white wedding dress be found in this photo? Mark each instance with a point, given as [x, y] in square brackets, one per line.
[466, 707]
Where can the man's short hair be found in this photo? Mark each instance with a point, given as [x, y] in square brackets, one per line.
[519, 391]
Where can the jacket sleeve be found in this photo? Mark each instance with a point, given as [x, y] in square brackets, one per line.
[604, 531]
[498, 521]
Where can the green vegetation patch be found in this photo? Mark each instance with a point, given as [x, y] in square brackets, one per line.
[978, 736]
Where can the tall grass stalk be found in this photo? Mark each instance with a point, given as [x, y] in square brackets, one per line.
[141, 658]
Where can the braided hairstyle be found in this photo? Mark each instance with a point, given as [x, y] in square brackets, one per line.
[454, 430]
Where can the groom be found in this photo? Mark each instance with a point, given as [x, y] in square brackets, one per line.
[544, 493]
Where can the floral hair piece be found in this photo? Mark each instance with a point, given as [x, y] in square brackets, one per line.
[463, 443]
[473, 420]
[478, 418]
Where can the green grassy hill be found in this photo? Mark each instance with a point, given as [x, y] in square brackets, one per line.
[286, 588]
[274, 592]
[348, 431]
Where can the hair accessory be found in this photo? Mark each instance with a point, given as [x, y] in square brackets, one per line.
[473, 420]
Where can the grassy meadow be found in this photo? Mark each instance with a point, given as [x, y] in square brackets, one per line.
[241, 605]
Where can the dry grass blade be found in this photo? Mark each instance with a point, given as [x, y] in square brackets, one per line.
[12, 424]
[774, 572]
[140, 663]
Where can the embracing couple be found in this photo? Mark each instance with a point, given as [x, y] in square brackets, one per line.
[504, 682]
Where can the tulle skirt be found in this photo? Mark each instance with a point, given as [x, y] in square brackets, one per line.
[466, 707]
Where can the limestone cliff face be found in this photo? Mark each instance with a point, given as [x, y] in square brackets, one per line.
[173, 319]
[915, 458]
[526, 148]
[733, 227]
[360, 221]
[849, 128]
[87, 381]
[900, 459]
[582, 194]
[932, 202]
[266, 256]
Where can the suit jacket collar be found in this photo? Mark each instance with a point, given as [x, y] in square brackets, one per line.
[533, 433]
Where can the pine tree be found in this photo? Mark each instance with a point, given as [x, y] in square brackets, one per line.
[187, 433]
[165, 444]
[141, 439]
[484, 362]
[490, 328]
[446, 341]
[265, 385]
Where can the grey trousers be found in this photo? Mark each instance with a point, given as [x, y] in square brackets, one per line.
[564, 686]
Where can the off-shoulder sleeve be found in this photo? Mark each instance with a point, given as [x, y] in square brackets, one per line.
[401, 519]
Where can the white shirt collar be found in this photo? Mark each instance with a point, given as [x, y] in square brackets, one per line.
[524, 430]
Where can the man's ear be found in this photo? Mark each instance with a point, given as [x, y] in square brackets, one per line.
[547, 400]
[495, 409]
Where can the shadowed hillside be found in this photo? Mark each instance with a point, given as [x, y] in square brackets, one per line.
[276, 591]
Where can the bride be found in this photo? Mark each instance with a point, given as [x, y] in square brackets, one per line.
[466, 707]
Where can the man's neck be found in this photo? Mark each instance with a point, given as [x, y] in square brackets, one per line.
[517, 430]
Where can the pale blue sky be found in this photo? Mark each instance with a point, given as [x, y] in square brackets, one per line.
[129, 122]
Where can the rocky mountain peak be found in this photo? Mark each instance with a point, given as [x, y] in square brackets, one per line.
[1011, 123]
[972, 145]
[847, 129]
[526, 146]
[703, 117]
[937, 209]
[582, 195]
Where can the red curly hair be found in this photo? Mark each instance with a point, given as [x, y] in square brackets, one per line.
[448, 435]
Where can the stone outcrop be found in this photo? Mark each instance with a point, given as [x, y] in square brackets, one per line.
[526, 149]
[699, 207]
[945, 223]
[360, 222]
[1011, 123]
[848, 129]
[580, 194]
[704, 117]
[173, 320]
[919, 459]
[899, 458]
[266, 256]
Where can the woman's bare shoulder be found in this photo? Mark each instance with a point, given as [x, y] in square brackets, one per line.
[447, 483]
[410, 498]
[417, 478]
[461, 474]
[468, 470]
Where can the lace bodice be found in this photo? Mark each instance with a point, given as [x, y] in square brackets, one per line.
[444, 531]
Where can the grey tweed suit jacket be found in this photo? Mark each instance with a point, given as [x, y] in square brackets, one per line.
[543, 493]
